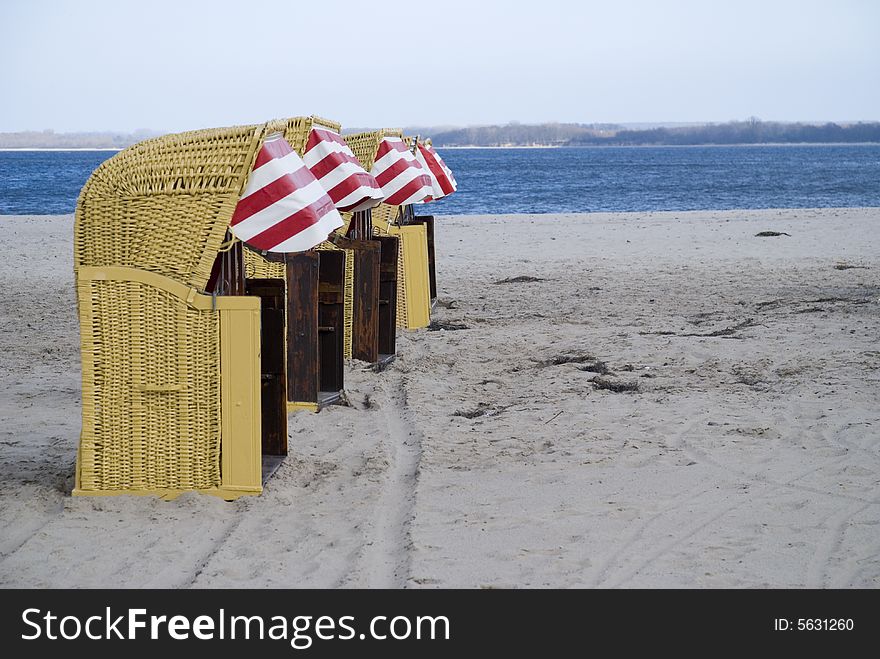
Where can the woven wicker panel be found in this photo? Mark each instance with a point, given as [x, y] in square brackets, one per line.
[401, 287]
[163, 205]
[384, 214]
[296, 129]
[402, 292]
[348, 294]
[365, 145]
[348, 306]
[346, 222]
[151, 390]
[257, 267]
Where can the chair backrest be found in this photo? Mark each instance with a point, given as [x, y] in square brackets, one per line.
[163, 205]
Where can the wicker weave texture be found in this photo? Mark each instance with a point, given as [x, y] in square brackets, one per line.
[164, 205]
[402, 319]
[348, 306]
[151, 395]
[257, 267]
[365, 145]
[384, 215]
[296, 129]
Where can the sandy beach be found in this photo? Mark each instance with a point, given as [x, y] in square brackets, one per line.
[635, 400]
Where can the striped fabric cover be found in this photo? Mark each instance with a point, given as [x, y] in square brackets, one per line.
[442, 180]
[347, 183]
[284, 208]
[399, 174]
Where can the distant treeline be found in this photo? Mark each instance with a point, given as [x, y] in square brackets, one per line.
[743, 132]
[752, 131]
[49, 139]
[515, 134]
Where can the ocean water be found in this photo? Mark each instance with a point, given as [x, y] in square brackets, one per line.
[44, 182]
[593, 179]
[567, 180]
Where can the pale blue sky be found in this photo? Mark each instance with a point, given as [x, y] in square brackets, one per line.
[181, 64]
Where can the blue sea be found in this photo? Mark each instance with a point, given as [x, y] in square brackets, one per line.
[563, 180]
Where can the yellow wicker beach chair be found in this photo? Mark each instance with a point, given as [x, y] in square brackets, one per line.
[171, 366]
[413, 284]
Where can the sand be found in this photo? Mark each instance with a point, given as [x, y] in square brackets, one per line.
[491, 456]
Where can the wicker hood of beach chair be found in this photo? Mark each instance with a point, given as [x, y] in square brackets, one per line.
[170, 372]
[413, 282]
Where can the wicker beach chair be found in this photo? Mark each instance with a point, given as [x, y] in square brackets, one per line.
[171, 349]
[319, 288]
[413, 305]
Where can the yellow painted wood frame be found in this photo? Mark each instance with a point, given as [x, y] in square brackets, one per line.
[414, 279]
[137, 458]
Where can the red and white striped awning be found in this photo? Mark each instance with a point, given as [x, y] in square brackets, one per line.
[442, 181]
[347, 183]
[399, 174]
[284, 208]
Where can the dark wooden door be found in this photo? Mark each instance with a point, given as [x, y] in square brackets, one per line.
[273, 383]
[428, 221]
[302, 327]
[387, 294]
[331, 320]
[227, 274]
[365, 304]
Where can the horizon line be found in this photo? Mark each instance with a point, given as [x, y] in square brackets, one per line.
[450, 126]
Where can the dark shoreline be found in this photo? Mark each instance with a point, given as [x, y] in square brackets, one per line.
[664, 146]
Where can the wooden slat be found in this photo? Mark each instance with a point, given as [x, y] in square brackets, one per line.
[331, 314]
[302, 327]
[365, 307]
[428, 221]
[387, 315]
[273, 384]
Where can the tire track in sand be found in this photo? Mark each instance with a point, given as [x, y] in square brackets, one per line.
[613, 571]
[385, 560]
